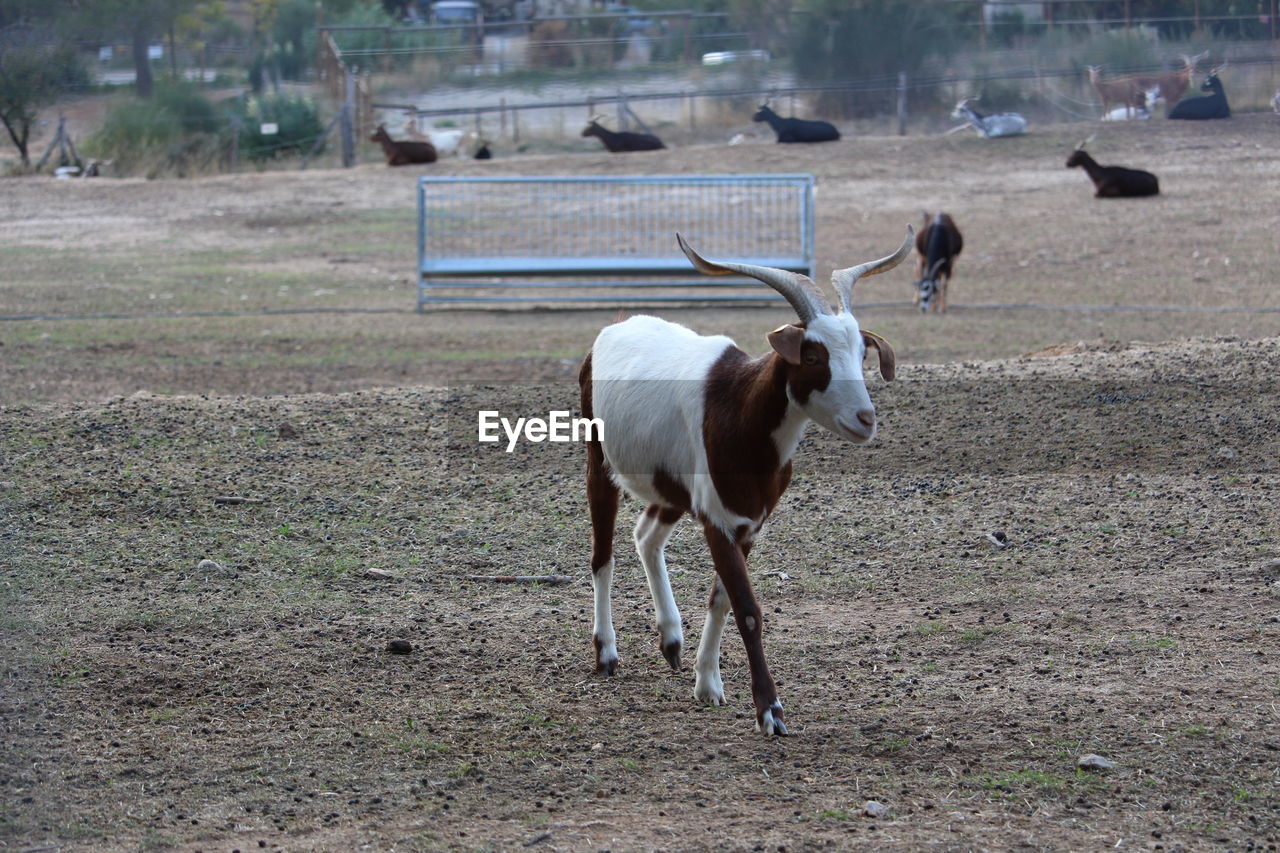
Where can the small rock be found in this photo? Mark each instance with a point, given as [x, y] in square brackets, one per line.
[379, 575]
[1225, 453]
[207, 565]
[998, 538]
[287, 431]
[399, 647]
[874, 809]
[1095, 762]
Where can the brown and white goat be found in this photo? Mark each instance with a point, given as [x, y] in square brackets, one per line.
[937, 244]
[403, 153]
[1124, 92]
[1173, 84]
[692, 424]
[1134, 91]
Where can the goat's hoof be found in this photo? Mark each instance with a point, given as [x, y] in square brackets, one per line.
[770, 722]
[711, 693]
[671, 651]
[607, 667]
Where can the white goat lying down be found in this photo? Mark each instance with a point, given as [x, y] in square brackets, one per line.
[692, 424]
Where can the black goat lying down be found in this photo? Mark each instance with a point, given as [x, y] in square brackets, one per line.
[617, 141]
[1206, 106]
[1114, 181]
[797, 129]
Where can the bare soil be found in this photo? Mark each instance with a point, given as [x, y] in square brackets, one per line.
[1128, 607]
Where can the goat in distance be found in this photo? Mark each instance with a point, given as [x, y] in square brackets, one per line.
[797, 129]
[692, 424]
[403, 152]
[1205, 107]
[938, 244]
[1113, 181]
[991, 125]
[619, 141]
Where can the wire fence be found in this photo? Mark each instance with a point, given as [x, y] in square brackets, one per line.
[700, 74]
[1057, 94]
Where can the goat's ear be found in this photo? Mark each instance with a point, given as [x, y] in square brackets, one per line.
[888, 362]
[786, 341]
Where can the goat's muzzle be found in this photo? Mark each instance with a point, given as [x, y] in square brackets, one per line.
[862, 429]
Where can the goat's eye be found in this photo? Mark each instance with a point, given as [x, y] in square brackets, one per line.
[810, 359]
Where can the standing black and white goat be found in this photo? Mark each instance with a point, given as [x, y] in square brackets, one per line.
[797, 129]
[618, 141]
[991, 125]
[937, 244]
[1207, 106]
[1113, 181]
[692, 424]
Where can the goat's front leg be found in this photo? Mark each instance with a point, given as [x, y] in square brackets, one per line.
[652, 530]
[942, 293]
[731, 569]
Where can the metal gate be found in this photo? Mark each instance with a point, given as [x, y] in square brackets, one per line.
[607, 239]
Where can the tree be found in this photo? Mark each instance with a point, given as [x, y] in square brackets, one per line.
[33, 71]
[868, 41]
[141, 21]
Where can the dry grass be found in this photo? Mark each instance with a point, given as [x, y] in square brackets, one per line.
[151, 703]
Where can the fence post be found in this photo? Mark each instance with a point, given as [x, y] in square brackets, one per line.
[347, 127]
[234, 156]
[902, 103]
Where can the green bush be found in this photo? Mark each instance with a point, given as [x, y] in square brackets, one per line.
[297, 118]
[842, 42]
[1118, 51]
[195, 113]
[175, 133]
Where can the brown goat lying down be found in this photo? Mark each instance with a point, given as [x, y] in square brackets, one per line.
[403, 153]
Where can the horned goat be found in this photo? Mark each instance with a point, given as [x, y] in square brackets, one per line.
[620, 141]
[1206, 106]
[938, 244]
[1113, 181]
[797, 129]
[1125, 92]
[403, 152]
[992, 125]
[1173, 84]
[692, 424]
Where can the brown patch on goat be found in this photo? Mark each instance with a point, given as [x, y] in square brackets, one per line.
[672, 491]
[744, 402]
[602, 492]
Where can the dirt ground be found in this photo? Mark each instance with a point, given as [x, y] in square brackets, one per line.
[186, 673]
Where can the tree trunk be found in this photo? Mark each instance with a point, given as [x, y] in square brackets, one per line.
[141, 61]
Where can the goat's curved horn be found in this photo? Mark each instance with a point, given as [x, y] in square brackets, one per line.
[1087, 140]
[933, 270]
[843, 280]
[799, 290]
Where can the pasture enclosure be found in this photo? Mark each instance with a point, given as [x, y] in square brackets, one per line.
[494, 240]
[231, 369]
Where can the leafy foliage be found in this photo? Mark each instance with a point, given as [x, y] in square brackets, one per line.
[297, 119]
[33, 74]
[866, 41]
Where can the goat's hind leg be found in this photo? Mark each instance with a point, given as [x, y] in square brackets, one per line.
[708, 687]
[653, 528]
[602, 497]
